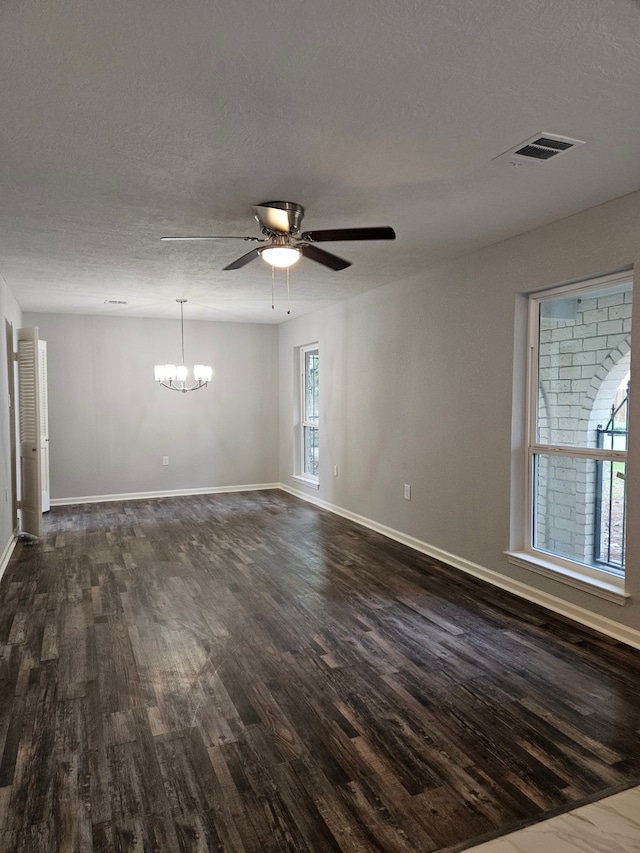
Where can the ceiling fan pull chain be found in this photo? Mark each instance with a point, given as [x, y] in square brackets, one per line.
[273, 276]
[288, 294]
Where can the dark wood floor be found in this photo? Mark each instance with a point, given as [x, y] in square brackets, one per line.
[246, 672]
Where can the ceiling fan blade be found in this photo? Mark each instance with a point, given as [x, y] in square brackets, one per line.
[324, 258]
[273, 218]
[217, 237]
[384, 233]
[245, 259]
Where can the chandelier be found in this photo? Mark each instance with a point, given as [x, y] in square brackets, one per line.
[175, 377]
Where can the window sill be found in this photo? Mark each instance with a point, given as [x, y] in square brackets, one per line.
[605, 586]
[315, 484]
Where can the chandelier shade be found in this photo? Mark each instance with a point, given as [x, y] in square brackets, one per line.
[175, 377]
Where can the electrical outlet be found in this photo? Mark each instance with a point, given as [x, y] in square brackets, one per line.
[165, 460]
[407, 492]
[335, 470]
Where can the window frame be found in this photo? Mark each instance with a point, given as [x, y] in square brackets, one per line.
[604, 582]
[304, 424]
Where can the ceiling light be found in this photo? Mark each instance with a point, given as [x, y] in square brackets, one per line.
[175, 377]
[280, 256]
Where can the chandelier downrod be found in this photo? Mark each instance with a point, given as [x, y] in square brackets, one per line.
[182, 301]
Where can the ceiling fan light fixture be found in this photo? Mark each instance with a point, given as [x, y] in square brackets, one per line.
[280, 256]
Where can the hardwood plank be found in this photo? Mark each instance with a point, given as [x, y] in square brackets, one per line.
[248, 673]
[191, 789]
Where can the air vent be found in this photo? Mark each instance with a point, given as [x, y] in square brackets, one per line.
[115, 302]
[541, 148]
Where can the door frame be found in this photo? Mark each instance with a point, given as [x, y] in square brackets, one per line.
[13, 409]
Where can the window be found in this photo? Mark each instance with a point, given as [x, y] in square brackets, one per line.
[579, 345]
[309, 406]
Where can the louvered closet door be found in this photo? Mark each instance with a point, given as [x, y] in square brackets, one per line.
[44, 425]
[30, 425]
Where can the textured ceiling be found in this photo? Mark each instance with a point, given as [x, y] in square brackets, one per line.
[122, 122]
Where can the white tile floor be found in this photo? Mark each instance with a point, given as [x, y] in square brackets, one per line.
[611, 825]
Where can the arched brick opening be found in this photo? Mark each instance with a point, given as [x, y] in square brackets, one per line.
[606, 383]
[584, 356]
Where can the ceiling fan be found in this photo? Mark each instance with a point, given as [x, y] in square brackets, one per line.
[281, 246]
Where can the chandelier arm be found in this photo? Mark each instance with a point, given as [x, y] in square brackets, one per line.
[195, 387]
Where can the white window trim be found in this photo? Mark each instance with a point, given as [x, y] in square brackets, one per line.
[300, 474]
[307, 480]
[594, 581]
[601, 582]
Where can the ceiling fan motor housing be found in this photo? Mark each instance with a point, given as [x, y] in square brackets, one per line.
[279, 217]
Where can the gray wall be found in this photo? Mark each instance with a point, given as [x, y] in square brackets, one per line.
[9, 311]
[110, 424]
[416, 387]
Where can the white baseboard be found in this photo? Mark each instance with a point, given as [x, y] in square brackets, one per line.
[6, 554]
[606, 626]
[609, 627]
[169, 493]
